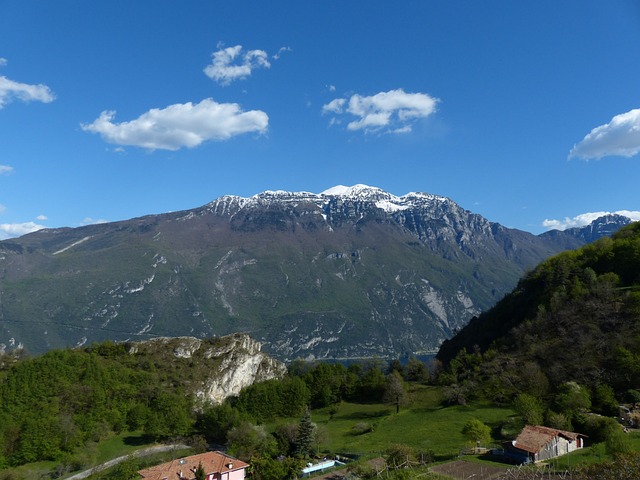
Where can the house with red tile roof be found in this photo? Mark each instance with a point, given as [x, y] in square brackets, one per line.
[539, 443]
[217, 466]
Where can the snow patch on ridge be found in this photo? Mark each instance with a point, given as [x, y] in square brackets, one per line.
[82, 240]
[390, 207]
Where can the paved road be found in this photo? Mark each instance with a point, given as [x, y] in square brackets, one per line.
[138, 453]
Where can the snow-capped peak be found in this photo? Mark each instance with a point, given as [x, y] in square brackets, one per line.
[361, 193]
[358, 190]
[337, 190]
[383, 200]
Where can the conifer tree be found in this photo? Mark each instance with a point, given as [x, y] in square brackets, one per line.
[199, 472]
[306, 430]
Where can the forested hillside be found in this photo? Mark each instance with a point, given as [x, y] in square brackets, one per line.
[53, 405]
[575, 318]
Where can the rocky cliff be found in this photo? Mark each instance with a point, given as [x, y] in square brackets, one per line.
[219, 367]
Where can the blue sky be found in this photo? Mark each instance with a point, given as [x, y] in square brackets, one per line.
[525, 112]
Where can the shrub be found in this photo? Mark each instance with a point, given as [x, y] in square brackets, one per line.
[477, 431]
[361, 427]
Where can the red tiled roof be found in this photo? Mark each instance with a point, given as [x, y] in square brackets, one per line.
[213, 462]
[534, 437]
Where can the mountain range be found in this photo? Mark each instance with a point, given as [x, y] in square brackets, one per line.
[350, 272]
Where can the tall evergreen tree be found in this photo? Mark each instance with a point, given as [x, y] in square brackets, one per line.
[306, 430]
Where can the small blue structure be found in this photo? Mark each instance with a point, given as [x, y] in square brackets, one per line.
[325, 464]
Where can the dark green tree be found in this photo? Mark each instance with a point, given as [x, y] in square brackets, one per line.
[396, 366]
[247, 441]
[530, 408]
[604, 400]
[416, 371]
[572, 399]
[200, 473]
[216, 420]
[295, 396]
[305, 439]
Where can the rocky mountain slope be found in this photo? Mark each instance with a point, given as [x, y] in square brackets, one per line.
[223, 366]
[353, 271]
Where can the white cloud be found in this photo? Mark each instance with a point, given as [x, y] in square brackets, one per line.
[586, 219]
[9, 230]
[394, 111]
[180, 125]
[232, 63]
[93, 221]
[334, 106]
[5, 169]
[42, 218]
[281, 51]
[619, 137]
[10, 90]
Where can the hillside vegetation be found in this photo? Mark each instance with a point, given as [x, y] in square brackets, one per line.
[570, 328]
[53, 406]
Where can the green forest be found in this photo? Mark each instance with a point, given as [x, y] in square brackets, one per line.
[575, 319]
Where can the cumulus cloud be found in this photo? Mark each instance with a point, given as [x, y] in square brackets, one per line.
[394, 111]
[619, 137]
[10, 90]
[586, 219]
[9, 230]
[180, 125]
[233, 63]
[5, 169]
[42, 218]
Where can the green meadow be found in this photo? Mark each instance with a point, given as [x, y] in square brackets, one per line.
[424, 424]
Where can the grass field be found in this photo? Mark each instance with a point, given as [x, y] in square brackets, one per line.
[424, 425]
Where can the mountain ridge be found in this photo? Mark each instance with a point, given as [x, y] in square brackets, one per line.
[353, 271]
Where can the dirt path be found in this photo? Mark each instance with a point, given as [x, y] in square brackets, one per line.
[138, 453]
